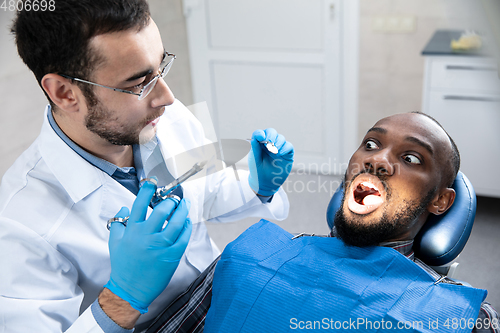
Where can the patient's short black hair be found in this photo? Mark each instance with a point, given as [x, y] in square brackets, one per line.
[454, 159]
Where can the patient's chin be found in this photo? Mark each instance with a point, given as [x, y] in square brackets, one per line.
[359, 234]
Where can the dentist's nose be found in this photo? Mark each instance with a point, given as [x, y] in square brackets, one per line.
[162, 95]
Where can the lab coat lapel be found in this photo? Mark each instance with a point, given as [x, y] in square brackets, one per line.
[177, 133]
[167, 151]
[78, 177]
[114, 197]
[153, 163]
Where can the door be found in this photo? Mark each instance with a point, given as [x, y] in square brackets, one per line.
[286, 64]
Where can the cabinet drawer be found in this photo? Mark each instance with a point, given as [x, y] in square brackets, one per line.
[473, 121]
[476, 74]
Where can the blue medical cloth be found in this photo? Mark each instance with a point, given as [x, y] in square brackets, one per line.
[267, 282]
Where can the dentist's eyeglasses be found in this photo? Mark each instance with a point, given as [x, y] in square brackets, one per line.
[145, 90]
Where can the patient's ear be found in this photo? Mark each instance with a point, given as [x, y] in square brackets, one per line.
[61, 91]
[442, 202]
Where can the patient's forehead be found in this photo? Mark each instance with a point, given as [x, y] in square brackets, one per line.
[414, 124]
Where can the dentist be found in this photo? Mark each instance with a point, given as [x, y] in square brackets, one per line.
[110, 122]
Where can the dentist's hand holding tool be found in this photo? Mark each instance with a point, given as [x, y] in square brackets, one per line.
[269, 170]
[143, 254]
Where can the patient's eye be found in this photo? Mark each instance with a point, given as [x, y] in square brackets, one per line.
[370, 144]
[412, 159]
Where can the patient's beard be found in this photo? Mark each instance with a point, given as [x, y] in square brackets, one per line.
[356, 233]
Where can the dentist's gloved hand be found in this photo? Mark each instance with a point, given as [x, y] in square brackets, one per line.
[269, 171]
[143, 256]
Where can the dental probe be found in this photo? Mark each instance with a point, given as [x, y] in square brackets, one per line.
[163, 192]
[269, 145]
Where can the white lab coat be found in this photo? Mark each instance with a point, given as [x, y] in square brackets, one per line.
[54, 206]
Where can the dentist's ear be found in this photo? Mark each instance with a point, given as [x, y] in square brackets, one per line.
[61, 91]
[442, 202]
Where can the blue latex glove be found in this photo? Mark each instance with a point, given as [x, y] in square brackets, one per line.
[143, 256]
[269, 171]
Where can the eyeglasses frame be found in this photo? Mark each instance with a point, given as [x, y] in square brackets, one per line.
[162, 74]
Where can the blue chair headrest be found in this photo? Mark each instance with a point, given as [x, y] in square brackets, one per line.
[442, 237]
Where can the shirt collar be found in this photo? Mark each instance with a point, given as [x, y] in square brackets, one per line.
[403, 247]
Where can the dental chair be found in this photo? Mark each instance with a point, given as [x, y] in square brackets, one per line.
[443, 237]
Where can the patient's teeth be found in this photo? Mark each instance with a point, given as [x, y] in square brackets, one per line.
[370, 185]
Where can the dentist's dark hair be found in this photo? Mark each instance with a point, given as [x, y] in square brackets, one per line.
[58, 41]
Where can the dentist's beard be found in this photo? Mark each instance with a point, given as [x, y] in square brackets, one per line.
[99, 121]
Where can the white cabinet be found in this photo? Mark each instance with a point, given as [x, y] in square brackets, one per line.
[463, 94]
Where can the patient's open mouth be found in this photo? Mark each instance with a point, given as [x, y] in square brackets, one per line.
[366, 195]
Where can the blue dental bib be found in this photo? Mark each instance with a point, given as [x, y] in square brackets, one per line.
[267, 282]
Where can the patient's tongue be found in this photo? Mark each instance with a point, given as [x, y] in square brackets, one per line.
[366, 195]
[372, 200]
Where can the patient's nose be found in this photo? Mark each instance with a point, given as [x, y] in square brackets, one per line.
[379, 163]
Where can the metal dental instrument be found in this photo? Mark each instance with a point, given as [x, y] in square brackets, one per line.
[163, 192]
[269, 145]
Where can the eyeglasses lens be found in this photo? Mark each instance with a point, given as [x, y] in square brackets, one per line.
[147, 89]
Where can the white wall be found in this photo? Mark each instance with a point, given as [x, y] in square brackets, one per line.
[391, 64]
